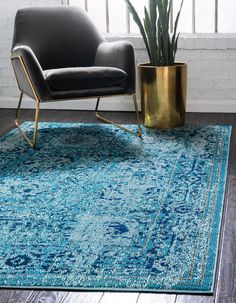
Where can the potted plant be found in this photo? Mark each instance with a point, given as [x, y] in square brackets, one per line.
[163, 81]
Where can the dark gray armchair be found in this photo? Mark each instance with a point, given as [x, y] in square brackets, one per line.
[58, 54]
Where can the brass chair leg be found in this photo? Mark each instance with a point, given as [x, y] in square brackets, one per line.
[137, 134]
[17, 122]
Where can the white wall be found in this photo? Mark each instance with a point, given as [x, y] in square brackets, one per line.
[211, 68]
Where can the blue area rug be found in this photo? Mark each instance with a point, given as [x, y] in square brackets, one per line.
[96, 208]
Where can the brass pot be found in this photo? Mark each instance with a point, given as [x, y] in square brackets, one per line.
[163, 95]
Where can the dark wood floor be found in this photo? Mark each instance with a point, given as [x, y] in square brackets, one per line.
[226, 282]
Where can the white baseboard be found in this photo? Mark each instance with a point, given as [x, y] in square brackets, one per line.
[211, 106]
[122, 103]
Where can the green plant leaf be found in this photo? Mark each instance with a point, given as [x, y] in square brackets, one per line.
[175, 47]
[170, 48]
[174, 38]
[150, 19]
[153, 16]
[160, 44]
[140, 25]
[164, 25]
[161, 47]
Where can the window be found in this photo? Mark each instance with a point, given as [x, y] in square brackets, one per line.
[198, 16]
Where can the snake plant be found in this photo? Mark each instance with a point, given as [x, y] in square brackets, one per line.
[161, 45]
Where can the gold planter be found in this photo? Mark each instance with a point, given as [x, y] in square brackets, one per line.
[163, 95]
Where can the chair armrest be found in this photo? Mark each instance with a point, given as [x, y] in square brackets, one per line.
[29, 74]
[119, 54]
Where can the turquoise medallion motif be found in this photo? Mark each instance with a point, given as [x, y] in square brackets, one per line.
[98, 209]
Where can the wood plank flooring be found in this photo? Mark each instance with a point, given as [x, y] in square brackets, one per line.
[226, 281]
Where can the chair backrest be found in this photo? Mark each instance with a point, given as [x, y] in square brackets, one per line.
[60, 36]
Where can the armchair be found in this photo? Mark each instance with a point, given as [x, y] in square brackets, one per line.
[58, 54]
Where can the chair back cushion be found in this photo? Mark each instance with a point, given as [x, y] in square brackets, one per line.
[60, 36]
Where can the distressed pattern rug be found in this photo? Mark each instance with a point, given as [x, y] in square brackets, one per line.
[96, 208]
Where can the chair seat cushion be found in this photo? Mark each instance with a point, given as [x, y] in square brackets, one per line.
[74, 78]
